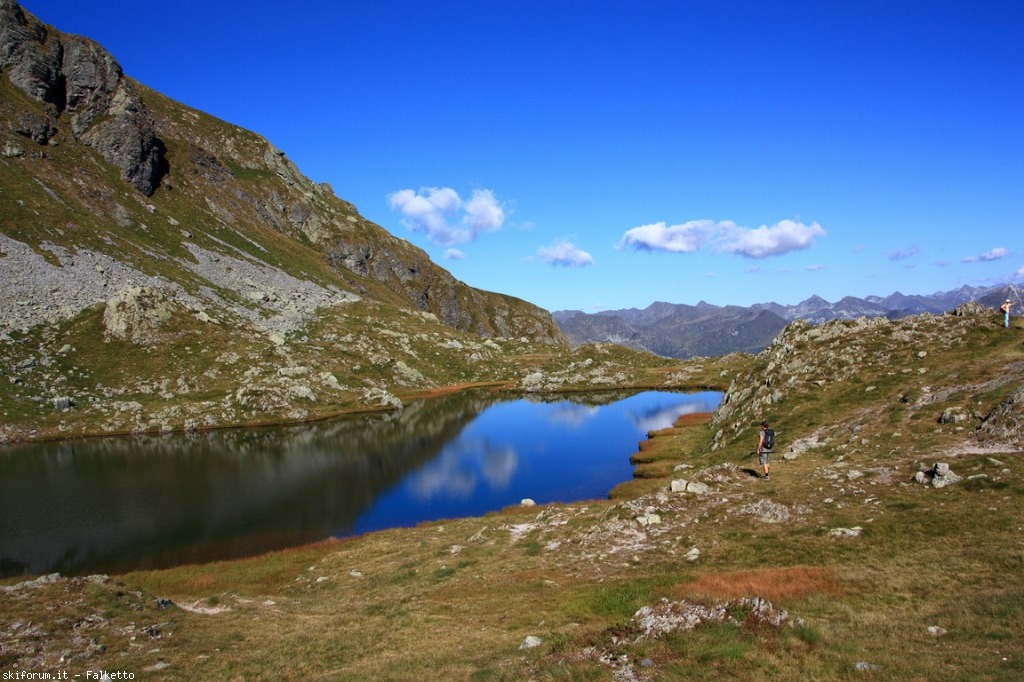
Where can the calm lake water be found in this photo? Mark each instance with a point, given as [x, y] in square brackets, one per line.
[115, 504]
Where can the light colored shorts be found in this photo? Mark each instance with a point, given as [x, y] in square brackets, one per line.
[765, 456]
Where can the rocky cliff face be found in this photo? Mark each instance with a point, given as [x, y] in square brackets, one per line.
[75, 78]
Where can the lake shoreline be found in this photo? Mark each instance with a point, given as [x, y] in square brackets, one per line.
[19, 435]
[124, 503]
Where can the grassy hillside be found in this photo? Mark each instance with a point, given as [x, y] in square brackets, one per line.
[166, 270]
[841, 567]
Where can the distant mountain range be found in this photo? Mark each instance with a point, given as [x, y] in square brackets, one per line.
[683, 331]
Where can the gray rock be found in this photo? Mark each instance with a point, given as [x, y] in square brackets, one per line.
[684, 486]
[647, 520]
[531, 642]
[846, 532]
[37, 128]
[953, 415]
[939, 476]
[943, 481]
[135, 314]
[77, 78]
[1005, 423]
[767, 511]
[63, 403]
[12, 150]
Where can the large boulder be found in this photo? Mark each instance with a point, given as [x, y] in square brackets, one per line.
[135, 315]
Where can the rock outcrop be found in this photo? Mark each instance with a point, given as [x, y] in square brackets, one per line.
[408, 270]
[889, 365]
[74, 78]
[1005, 423]
[136, 315]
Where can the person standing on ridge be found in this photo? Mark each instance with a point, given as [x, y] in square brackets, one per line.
[1005, 307]
[765, 443]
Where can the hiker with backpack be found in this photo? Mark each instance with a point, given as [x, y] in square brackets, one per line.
[1005, 308]
[765, 443]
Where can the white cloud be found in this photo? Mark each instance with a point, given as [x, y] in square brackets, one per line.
[454, 254]
[564, 254]
[434, 212]
[684, 238]
[995, 254]
[815, 267]
[723, 236]
[483, 212]
[762, 242]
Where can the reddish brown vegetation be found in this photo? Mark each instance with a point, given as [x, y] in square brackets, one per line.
[778, 585]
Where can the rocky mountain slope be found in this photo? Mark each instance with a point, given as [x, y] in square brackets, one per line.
[853, 384]
[95, 162]
[683, 331]
[170, 269]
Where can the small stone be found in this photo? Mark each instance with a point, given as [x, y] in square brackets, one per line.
[846, 532]
[63, 403]
[648, 520]
[531, 642]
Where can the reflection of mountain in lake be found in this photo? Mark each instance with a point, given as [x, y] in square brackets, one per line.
[154, 501]
[664, 416]
[109, 505]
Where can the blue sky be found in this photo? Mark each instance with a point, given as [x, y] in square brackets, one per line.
[604, 155]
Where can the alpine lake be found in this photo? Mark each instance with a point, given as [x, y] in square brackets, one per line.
[110, 505]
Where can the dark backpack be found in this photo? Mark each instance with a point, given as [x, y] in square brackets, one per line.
[769, 439]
